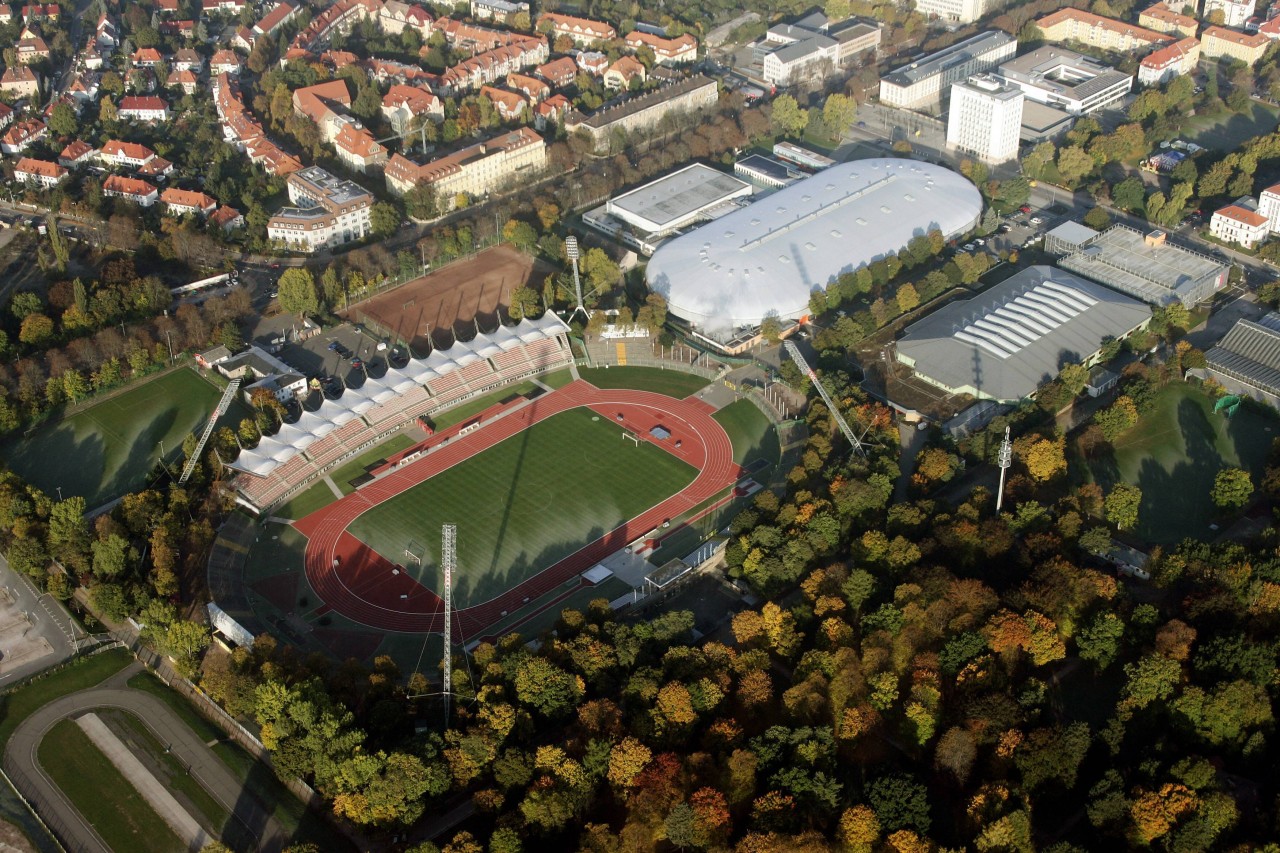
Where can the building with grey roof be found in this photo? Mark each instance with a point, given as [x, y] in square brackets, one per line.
[1005, 343]
[1247, 360]
[670, 203]
[765, 171]
[812, 46]
[1068, 237]
[769, 256]
[923, 84]
[1066, 80]
[1148, 267]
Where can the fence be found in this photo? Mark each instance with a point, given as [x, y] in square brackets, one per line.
[48, 816]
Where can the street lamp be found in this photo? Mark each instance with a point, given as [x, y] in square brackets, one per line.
[59, 488]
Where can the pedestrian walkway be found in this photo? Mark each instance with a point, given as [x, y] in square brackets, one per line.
[328, 481]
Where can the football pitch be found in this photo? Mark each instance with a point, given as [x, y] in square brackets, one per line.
[525, 504]
[107, 449]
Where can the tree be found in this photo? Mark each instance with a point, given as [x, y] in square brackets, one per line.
[1129, 194]
[62, 120]
[1121, 506]
[900, 802]
[1232, 489]
[384, 219]
[36, 330]
[838, 112]
[110, 556]
[297, 292]
[1046, 459]
[68, 531]
[771, 327]
[908, 298]
[788, 117]
[524, 302]
[1098, 219]
[1074, 163]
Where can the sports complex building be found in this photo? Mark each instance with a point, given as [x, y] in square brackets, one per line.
[768, 257]
[302, 450]
[1247, 360]
[1145, 266]
[1006, 342]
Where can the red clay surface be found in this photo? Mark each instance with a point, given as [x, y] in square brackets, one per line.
[449, 298]
[363, 586]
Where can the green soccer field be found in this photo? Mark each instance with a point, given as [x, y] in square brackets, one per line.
[524, 504]
[107, 449]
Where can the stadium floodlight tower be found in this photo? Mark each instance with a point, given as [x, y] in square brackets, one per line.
[448, 558]
[1004, 460]
[218, 412]
[571, 249]
[854, 439]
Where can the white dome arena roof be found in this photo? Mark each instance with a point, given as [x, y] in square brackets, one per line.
[770, 255]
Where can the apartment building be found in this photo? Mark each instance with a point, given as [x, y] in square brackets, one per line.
[644, 112]
[959, 11]
[40, 173]
[583, 31]
[1162, 19]
[1235, 13]
[402, 105]
[1237, 223]
[187, 202]
[1096, 31]
[327, 211]
[139, 192]
[20, 82]
[476, 170]
[1177, 59]
[1216, 42]
[680, 50]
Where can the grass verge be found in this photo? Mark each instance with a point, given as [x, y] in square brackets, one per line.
[25, 699]
[673, 383]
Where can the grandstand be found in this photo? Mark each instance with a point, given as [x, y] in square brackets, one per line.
[304, 449]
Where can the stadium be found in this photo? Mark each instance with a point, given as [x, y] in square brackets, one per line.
[769, 256]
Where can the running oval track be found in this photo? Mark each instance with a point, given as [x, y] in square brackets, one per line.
[362, 585]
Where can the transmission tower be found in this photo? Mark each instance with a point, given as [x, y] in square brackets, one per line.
[218, 412]
[854, 439]
[1004, 460]
[448, 559]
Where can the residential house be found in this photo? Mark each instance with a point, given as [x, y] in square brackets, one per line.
[1176, 60]
[146, 57]
[6, 14]
[77, 153]
[139, 192]
[499, 10]
[1216, 42]
[533, 88]
[492, 65]
[225, 62]
[551, 111]
[41, 173]
[558, 72]
[583, 31]
[325, 104]
[403, 104]
[32, 50]
[593, 62]
[677, 51]
[20, 81]
[1237, 223]
[396, 17]
[223, 7]
[187, 59]
[357, 148]
[145, 108]
[510, 105]
[6, 115]
[18, 137]
[184, 80]
[184, 29]
[620, 74]
[226, 218]
[187, 202]
[37, 12]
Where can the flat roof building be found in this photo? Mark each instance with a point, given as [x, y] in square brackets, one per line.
[1247, 360]
[1065, 80]
[1148, 267]
[985, 118]
[765, 171]
[769, 256]
[668, 204]
[923, 84]
[1008, 341]
[644, 111]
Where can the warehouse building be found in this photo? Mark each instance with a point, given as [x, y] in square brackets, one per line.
[1005, 343]
[647, 214]
[1247, 360]
[1148, 267]
[769, 256]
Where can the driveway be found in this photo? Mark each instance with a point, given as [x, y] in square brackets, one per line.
[21, 763]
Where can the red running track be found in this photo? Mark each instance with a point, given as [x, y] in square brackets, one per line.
[367, 588]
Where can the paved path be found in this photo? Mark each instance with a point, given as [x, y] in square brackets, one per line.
[21, 763]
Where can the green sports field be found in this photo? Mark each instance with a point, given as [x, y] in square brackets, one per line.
[524, 504]
[107, 449]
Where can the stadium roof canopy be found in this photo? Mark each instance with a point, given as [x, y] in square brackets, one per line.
[293, 438]
[1004, 343]
[1250, 354]
[770, 255]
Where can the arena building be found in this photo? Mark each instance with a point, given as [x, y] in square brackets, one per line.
[768, 257]
[1006, 342]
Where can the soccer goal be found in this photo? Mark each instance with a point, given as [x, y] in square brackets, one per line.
[628, 435]
[413, 551]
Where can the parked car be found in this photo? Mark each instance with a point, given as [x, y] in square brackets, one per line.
[1026, 208]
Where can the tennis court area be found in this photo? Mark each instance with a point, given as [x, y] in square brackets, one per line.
[524, 504]
[107, 449]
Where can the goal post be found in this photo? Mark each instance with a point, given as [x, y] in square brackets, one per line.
[628, 435]
[413, 551]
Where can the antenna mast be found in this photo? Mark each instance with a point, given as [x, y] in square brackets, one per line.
[571, 249]
[794, 352]
[449, 558]
[1004, 460]
[218, 412]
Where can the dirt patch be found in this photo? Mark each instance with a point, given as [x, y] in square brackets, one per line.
[11, 838]
[449, 300]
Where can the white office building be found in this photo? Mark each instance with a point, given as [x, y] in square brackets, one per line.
[985, 118]
[959, 11]
[1065, 80]
[1234, 12]
[923, 84]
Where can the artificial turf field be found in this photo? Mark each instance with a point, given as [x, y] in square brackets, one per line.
[524, 504]
[107, 449]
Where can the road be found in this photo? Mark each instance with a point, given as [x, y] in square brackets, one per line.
[20, 762]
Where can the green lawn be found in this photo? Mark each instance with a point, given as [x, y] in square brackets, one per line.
[345, 473]
[525, 504]
[279, 548]
[1227, 130]
[109, 448]
[558, 379]
[316, 496]
[24, 700]
[752, 433]
[471, 408]
[673, 383]
[1173, 455]
[101, 793]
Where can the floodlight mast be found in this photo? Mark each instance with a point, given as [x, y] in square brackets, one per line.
[449, 536]
[794, 351]
[1004, 460]
[571, 250]
[218, 411]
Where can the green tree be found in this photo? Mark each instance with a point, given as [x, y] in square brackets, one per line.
[1074, 163]
[1232, 489]
[1099, 640]
[110, 556]
[788, 117]
[68, 531]
[62, 120]
[524, 302]
[108, 599]
[384, 219]
[838, 112]
[1129, 194]
[1121, 506]
[297, 292]
[1098, 219]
